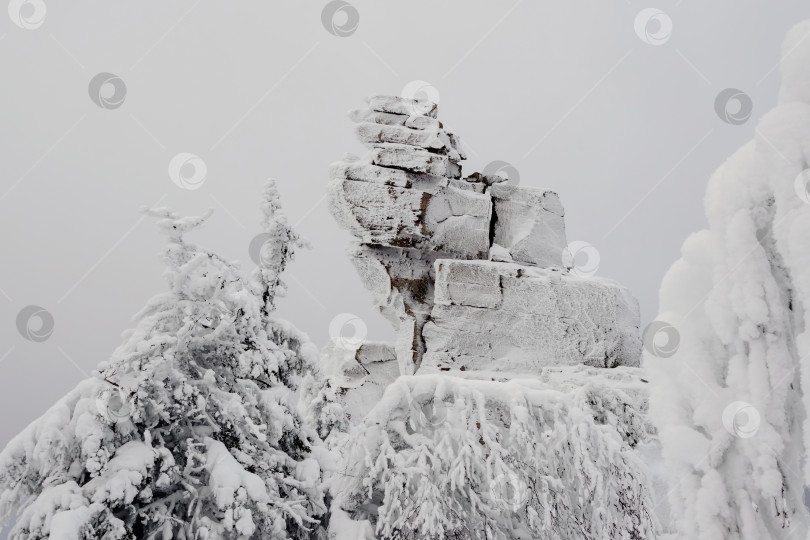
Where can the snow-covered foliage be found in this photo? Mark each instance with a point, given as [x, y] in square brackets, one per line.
[444, 457]
[279, 244]
[505, 421]
[191, 429]
[731, 385]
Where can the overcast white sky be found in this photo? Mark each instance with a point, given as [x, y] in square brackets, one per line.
[623, 130]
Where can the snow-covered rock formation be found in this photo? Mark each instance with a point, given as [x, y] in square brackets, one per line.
[494, 415]
[508, 317]
[429, 240]
[730, 355]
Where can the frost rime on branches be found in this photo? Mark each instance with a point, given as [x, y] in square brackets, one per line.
[191, 429]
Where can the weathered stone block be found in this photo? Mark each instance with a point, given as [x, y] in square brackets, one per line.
[434, 140]
[361, 374]
[401, 105]
[389, 119]
[364, 171]
[529, 224]
[506, 317]
[449, 219]
[401, 284]
[402, 156]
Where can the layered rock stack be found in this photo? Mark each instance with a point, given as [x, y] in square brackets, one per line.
[469, 270]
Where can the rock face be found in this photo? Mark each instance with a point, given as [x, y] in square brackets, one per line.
[469, 270]
[512, 318]
[529, 224]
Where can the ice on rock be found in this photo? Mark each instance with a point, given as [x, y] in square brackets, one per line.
[448, 219]
[401, 105]
[361, 374]
[416, 159]
[529, 223]
[401, 284]
[364, 171]
[389, 119]
[497, 378]
[409, 206]
[375, 135]
[505, 317]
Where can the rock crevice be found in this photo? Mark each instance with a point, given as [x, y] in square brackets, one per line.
[469, 270]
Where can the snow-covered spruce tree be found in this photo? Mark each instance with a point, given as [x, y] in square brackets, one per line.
[731, 358]
[190, 430]
[442, 457]
[279, 244]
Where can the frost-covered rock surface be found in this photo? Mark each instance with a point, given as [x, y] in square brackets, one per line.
[510, 405]
[729, 383]
[414, 214]
[505, 317]
[529, 224]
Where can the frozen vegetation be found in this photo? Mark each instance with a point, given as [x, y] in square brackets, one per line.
[730, 402]
[513, 404]
[191, 429]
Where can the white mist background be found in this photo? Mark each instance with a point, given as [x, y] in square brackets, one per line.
[624, 131]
